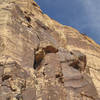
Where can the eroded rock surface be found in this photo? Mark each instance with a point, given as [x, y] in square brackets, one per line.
[41, 59]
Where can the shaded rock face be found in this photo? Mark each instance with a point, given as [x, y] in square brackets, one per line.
[41, 59]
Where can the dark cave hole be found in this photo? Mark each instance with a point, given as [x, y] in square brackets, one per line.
[46, 64]
[58, 76]
[39, 55]
[29, 26]
[36, 63]
[76, 67]
[71, 53]
[5, 77]
[28, 18]
[43, 73]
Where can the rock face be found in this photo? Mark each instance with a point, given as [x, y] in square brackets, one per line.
[41, 59]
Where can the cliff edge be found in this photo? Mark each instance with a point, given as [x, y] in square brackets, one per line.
[41, 59]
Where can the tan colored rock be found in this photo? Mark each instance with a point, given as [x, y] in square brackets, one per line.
[41, 59]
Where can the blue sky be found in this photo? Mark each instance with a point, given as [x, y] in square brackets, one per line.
[83, 15]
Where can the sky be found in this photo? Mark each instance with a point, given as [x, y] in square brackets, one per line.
[84, 15]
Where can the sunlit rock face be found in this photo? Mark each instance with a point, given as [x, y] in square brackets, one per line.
[41, 59]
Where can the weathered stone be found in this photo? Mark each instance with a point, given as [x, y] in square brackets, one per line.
[41, 59]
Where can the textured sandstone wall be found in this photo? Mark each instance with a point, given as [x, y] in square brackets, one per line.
[41, 59]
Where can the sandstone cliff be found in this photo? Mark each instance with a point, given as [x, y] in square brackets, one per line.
[41, 59]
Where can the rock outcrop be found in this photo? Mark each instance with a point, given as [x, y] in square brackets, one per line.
[41, 59]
